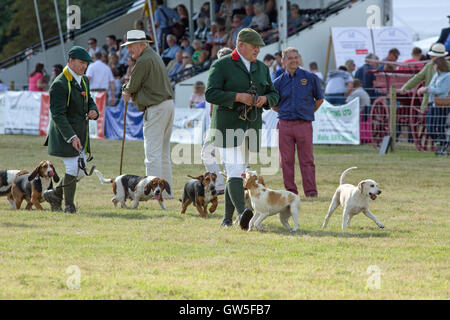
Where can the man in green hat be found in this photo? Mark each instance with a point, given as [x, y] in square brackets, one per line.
[239, 86]
[71, 107]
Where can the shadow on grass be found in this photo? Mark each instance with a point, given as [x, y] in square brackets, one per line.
[17, 225]
[323, 233]
[134, 215]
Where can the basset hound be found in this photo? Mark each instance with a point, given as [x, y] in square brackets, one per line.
[200, 191]
[29, 187]
[6, 179]
[136, 188]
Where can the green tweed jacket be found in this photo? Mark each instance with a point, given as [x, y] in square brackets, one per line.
[68, 119]
[228, 76]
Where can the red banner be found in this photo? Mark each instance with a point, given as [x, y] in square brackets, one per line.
[96, 131]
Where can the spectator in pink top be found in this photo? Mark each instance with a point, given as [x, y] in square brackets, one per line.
[36, 80]
[416, 56]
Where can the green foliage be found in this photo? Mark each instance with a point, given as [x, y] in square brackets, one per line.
[18, 23]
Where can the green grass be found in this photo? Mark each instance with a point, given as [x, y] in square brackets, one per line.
[148, 253]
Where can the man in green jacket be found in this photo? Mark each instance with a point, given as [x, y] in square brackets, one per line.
[150, 88]
[239, 86]
[71, 107]
[426, 74]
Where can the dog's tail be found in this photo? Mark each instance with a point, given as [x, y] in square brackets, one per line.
[100, 176]
[341, 181]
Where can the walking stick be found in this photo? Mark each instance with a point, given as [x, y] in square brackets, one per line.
[123, 139]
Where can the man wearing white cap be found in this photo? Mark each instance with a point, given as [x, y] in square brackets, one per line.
[426, 74]
[150, 88]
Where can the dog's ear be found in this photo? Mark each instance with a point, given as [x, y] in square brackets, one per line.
[361, 187]
[35, 172]
[166, 186]
[200, 178]
[261, 180]
[55, 175]
[148, 188]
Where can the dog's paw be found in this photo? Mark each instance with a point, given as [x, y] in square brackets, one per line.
[381, 226]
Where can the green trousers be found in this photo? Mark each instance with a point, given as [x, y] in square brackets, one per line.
[234, 198]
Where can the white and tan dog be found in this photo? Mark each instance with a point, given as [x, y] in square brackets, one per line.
[267, 202]
[354, 200]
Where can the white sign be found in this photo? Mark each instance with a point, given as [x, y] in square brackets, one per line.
[337, 124]
[22, 112]
[351, 43]
[386, 38]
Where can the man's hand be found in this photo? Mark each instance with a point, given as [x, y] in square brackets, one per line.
[244, 98]
[275, 109]
[260, 101]
[421, 91]
[76, 143]
[125, 96]
[92, 114]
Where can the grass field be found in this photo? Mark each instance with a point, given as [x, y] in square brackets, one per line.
[148, 253]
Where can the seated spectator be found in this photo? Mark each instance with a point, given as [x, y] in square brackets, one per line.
[249, 14]
[198, 96]
[260, 21]
[202, 29]
[339, 83]
[295, 20]
[184, 15]
[174, 65]
[350, 65]
[270, 10]
[199, 56]
[364, 98]
[236, 27]
[314, 68]
[186, 45]
[416, 55]
[204, 14]
[179, 73]
[111, 44]
[117, 86]
[93, 48]
[165, 18]
[3, 87]
[367, 78]
[56, 70]
[220, 37]
[171, 50]
[139, 25]
[104, 57]
[392, 56]
[36, 80]
[436, 117]
[227, 8]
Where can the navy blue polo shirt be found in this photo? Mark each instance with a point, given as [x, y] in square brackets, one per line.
[298, 95]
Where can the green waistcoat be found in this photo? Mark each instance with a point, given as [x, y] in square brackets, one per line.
[228, 76]
[69, 119]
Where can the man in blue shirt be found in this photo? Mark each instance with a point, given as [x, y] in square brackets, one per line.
[164, 20]
[300, 96]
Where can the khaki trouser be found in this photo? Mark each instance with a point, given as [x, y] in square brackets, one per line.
[158, 122]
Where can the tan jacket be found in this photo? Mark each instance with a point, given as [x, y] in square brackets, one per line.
[149, 83]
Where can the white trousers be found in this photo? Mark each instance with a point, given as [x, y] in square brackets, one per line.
[235, 160]
[158, 122]
[211, 164]
[72, 168]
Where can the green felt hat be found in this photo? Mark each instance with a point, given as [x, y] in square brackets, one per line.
[249, 35]
[77, 52]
